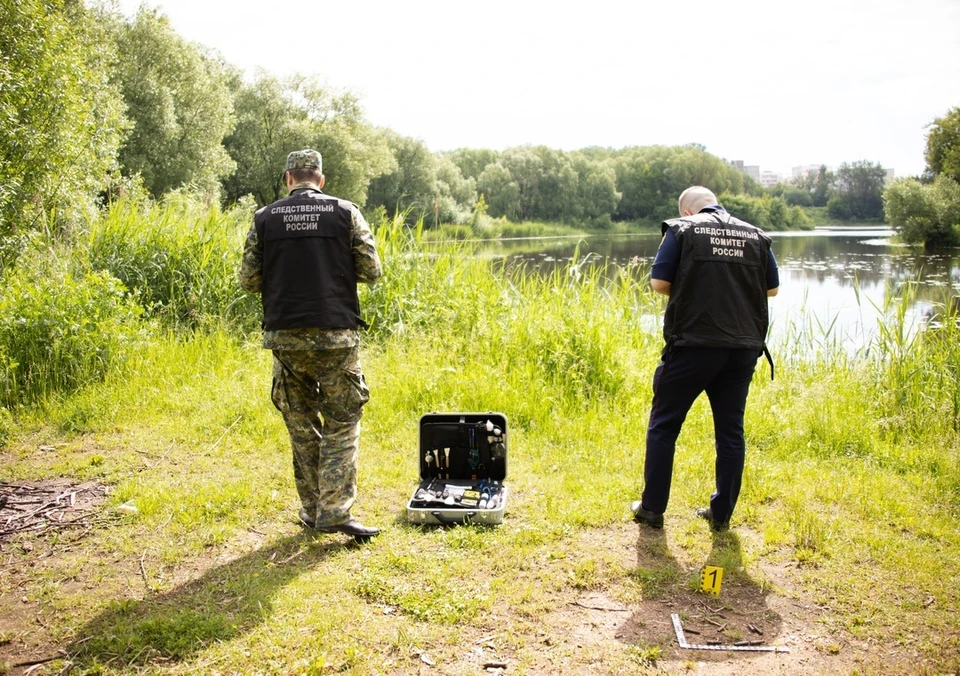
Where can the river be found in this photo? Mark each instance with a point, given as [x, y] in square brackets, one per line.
[834, 282]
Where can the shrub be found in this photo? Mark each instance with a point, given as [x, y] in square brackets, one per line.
[925, 214]
[796, 197]
[60, 330]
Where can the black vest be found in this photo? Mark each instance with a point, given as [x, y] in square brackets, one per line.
[719, 295]
[309, 278]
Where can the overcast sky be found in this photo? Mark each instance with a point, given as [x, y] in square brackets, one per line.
[770, 83]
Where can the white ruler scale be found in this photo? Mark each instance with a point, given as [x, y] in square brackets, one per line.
[682, 639]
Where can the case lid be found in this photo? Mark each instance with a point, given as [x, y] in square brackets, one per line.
[463, 446]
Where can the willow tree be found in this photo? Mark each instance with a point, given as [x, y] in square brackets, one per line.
[61, 120]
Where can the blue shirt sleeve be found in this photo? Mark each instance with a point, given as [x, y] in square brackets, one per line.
[667, 260]
[773, 272]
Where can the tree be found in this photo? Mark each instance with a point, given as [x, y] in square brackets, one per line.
[859, 191]
[943, 145]
[472, 161]
[276, 116]
[798, 197]
[819, 185]
[597, 194]
[924, 213]
[269, 125]
[178, 102]
[354, 152]
[500, 191]
[454, 195]
[60, 120]
[558, 188]
[526, 168]
[410, 183]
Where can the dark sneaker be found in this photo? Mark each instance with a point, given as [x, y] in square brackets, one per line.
[707, 514]
[641, 515]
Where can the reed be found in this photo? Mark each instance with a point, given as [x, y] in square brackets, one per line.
[180, 256]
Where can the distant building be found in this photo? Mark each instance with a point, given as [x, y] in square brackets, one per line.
[769, 178]
[889, 178]
[804, 170]
[751, 170]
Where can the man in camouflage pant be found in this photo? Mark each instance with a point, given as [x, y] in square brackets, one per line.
[305, 254]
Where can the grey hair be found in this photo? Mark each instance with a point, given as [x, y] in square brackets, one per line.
[695, 198]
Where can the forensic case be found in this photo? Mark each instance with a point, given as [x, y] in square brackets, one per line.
[463, 465]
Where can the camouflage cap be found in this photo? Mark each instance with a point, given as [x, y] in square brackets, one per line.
[304, 159]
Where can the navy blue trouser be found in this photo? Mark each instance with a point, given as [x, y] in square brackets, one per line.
[724, 374]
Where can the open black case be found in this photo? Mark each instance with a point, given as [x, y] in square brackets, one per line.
[463, 465]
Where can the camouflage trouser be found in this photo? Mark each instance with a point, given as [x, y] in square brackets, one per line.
[321, 394]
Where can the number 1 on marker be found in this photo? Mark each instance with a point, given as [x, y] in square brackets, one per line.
[710, 580]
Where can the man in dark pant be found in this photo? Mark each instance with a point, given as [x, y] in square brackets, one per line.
[718, 272]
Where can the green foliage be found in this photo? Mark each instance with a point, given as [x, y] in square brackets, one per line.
[943, 145]
[651, 179]
[597, 196]
[925, 213]
[472, 161]
[60, 329]
[178, 102]
[409, 186]
[546, 184]
[276, 116]
[768, 213]
[858, 194]
[269, 126]
[423, 184]
[500, 190]
[818, 185]
[797, 198]
[60, 121]
[6, 426]
[181, 256]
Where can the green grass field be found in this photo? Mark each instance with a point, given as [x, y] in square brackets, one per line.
[844, 545]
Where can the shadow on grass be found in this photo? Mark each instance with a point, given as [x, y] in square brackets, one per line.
[668, 588]
[223, 603]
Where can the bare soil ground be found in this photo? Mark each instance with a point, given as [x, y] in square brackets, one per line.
[585, 634]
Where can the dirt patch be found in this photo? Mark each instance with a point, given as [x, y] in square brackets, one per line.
[34, 508]
[748, 609]
[39, 522]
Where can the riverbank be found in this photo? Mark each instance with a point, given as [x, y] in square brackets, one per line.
[189, 558]
[504, 229]
[819, 217]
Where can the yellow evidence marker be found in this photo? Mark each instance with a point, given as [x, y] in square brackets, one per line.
[711, 578]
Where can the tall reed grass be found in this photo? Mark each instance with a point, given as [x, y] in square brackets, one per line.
[559, 342]
[181, 257]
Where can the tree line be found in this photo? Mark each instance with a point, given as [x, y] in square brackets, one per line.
[854, 192]
[96, 104]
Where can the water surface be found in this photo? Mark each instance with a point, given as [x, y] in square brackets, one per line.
[834, 282]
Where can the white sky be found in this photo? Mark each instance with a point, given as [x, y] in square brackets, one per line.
[771, 83]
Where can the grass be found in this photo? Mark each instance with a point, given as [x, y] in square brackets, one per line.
[851, 490]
